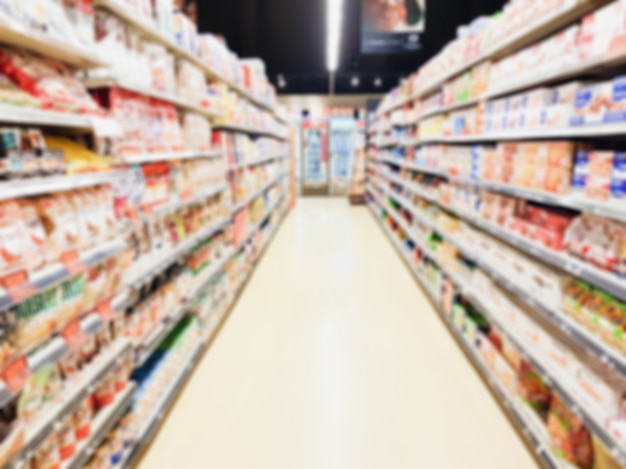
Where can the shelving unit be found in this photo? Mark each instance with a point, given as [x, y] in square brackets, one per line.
[525, 423]
[214, 224]
[400, 174]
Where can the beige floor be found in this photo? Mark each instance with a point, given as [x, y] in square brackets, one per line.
[333, 358]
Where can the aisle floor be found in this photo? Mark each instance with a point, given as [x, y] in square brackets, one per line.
[334, 358]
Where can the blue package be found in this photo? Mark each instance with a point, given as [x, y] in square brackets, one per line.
[618, 95]
[618, 178]
[581, 171]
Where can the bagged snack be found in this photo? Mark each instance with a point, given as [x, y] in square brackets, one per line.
[61, 223]
[50, 82]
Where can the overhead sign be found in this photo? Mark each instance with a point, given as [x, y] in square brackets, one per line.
[392, 26]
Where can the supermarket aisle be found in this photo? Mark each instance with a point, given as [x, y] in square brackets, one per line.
[333, 358]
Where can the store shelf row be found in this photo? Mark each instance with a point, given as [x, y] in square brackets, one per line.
[102, 424]
[152, 266]
[48, 45]
[55, 346]
[610, 209]
[182, 202]
[21, 285]
[45, 185]
[249, 130]
[550, 376]
[174, 156]
[569, 264]
[542, 27]
[153, 340]
[71, 399]
[150, 31]
[95, 83]
[595, 347]
[526, 422]
[244, 203]
[147, 432]
[258, 161]
[258, 224]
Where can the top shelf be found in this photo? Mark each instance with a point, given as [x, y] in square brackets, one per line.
[544, 26]
[150, 31]
[16, 34]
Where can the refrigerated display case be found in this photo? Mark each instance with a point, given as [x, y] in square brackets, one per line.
[342, 135]
[315, 158]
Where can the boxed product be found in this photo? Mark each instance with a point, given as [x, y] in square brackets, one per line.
[602, 102]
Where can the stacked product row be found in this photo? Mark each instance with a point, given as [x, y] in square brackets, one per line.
[143, 172]
[498, 170]
[530, 366]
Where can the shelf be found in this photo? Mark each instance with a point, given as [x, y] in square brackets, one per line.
[33, 117]
[55, 347]
[77, 391]
[603, 352]
[551, 377]
[258, 224]
[164, 209]
[535, 31]
[449, 108]
[54, 274]
[104, 421]
[257, 162]
[249, 130]
[21, 36]
[45, 185]
[606, 281]
[157, 157]
[529, 425]
[153, 265]
[95, 83]
[146, 432]
[154, 339]
[150, 31]
[611, 209]
[243, 204]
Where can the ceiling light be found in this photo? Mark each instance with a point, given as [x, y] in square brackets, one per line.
[355, 81]
[282, 83]
[378, 82]
[334, 14]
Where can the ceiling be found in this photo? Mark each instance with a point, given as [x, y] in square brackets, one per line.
[290, 35]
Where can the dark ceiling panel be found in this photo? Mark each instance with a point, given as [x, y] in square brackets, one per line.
[290, 35]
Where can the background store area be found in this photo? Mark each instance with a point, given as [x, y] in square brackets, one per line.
[443, 185]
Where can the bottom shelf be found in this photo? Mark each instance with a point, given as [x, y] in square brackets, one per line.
[524, 419]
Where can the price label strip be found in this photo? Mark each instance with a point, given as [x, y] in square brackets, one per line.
[16, 374]
[72, 262]
[106, 311]
[73, 334]
[18, 285]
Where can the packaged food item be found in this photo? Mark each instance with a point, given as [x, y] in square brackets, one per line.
[570, 438]
[13, 238]
[82, 419]
[48, 455]
[67, 439]
[105, 393]
[532, 389]
[50, 82]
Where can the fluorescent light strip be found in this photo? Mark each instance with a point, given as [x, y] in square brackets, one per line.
[334, 15]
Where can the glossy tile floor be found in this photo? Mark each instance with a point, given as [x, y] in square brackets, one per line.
[333, 358]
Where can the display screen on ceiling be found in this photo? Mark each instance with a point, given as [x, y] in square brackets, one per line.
[392, 26]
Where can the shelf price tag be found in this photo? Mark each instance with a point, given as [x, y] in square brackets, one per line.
[106, 311]
[17, 285]
[72, 262]
[73, 334]
[16, 374]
